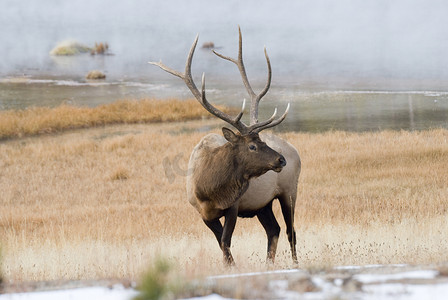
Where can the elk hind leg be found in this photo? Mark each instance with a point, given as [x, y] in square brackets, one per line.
[270, 225]
[287, 204]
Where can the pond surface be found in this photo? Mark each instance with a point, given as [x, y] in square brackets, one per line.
[311, 110]
[352, 65]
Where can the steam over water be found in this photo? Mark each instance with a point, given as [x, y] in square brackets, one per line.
[352, 65]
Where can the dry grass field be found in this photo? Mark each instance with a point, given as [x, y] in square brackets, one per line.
[38, 120]
[105, 202]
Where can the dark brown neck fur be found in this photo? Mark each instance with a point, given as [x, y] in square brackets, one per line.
[223, 179]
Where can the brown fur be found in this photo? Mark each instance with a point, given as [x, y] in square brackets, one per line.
[222, 176]
[208, 172]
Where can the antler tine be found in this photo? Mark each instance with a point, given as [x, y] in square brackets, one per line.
[166, 69]
[238, 117]
[254, 108]
[225, 57]
[272, 123]
[255, 99]
[240, 64]
[235, 122]
[187, 75]
[253, 127]
[200, 95]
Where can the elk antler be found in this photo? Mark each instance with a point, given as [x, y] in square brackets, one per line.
[236, 122]
[200, 96]
[255, 99]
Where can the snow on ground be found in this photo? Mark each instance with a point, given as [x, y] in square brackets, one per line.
[366, 282]
[115, 293]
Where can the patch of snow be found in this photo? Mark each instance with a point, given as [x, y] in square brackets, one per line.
[327, 289]
[348, 268]
[256, 274]
[116, 293]
[209, 297]
[374, 286]
[420, 274]
[405, 291]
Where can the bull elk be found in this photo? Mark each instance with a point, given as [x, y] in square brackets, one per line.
[231, 175]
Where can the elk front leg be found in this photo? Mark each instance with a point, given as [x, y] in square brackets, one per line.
[216, 227]
[230, 216]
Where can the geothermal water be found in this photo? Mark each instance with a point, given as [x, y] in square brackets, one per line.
[349, 65]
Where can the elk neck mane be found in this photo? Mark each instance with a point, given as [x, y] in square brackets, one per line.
[222, 178]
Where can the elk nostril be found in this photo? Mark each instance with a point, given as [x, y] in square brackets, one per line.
[282, 161]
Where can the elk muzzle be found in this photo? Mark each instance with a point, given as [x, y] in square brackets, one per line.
[279, 164]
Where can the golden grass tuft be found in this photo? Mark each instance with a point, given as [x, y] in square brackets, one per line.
[1, 270]
[120, 173]
[364, 198]
[95, 75]
[39, 120]
[69, 48]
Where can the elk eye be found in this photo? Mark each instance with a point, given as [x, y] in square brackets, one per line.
[252, 147]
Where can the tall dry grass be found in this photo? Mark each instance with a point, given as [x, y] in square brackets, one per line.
[37, 120]
[99, 203]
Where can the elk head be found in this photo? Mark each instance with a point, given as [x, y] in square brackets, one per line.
[248, 134]
[252, 154]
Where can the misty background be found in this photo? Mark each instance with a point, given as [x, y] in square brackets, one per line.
[384, 46]
[348, 38]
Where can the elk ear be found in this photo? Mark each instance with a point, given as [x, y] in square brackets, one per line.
[229, 135]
